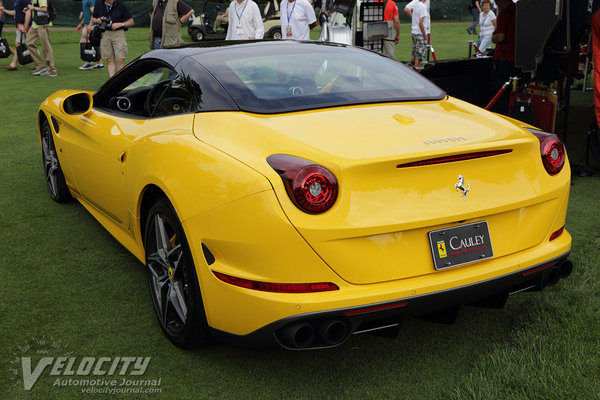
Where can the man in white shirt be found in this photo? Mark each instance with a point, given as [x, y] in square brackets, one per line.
[245, 21]
[297, 18]
[409, 9]
[419, 34]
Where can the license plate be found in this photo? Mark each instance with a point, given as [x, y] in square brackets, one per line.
[460, 245]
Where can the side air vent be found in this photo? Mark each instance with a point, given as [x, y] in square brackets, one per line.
[208, 255]
[55, 124]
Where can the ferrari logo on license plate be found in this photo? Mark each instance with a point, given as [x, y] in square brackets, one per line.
[441, 247]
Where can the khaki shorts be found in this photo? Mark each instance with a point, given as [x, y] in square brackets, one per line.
[113, 44]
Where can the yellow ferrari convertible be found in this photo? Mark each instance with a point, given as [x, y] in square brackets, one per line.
[295, 194]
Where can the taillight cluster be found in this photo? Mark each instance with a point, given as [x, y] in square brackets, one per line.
[552, 151]
[311, 187]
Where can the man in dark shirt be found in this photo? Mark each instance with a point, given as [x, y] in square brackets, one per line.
[167, 17]
[18, 12]
[113, 45]
[504, 35]
[504, 54]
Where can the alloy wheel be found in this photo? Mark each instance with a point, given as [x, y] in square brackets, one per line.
[168, 283]
[55, 179]
[50, 161]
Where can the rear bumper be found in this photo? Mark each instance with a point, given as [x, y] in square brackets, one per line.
[312, 328]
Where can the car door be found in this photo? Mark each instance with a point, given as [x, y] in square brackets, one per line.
[100, 151]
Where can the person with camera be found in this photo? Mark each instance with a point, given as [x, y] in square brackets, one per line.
[85, 26]
[113, 18]
[18, 12]
[166, 18]
[38, 10]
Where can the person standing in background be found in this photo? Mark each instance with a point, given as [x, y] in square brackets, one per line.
[487, 25]
[19, 14]
[419, 34]
[42, 32]
[85, 25]
[408, 11]
[113, 45]
[475, 8]
[297, 18]
[166, 18]
[2, 25]
[504, 53]
[390, 13]
[245, 21]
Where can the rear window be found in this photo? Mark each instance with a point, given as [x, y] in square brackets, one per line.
[297, 76]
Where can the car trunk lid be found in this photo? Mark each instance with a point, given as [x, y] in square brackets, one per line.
[378, 228]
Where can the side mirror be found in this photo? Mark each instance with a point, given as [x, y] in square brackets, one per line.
[77, 104]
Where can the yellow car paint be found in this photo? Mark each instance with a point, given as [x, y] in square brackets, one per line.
[372, 243]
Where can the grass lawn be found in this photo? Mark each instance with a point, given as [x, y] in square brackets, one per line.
[69, 288]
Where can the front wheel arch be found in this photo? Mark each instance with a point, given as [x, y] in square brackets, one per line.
[151, 195]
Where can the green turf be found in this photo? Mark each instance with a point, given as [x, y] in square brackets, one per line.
[65, 278]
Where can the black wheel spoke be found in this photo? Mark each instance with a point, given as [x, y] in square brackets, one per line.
[45, 151]
[177, 300]
[174, 256]
[50, 163]
[158, 270]
[162, 240]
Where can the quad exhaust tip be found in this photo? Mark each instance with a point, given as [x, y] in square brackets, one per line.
[558, 272]
[325, 333]
[299, 335]
[566, 268]
[552, 276]
[333, 331]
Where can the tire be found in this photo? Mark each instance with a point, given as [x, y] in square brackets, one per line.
[55, 179]
[197, 35]
[276, 34]
[172, 279]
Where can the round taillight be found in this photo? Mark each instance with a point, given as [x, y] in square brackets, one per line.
[552, 151]
[311, 187]
[553, 154]
[315, 188]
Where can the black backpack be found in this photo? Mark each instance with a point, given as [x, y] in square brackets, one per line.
[51, 11]
[44, 18]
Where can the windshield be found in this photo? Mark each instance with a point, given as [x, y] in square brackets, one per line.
[298, 76]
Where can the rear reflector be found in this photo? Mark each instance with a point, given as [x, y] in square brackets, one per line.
[457, 157]
[557, 233]
[539, 268]
[277, 287]
[376, 308]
